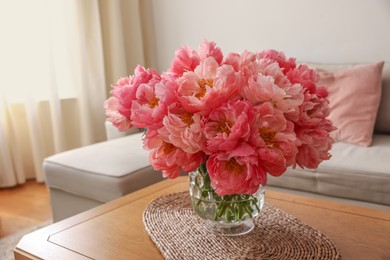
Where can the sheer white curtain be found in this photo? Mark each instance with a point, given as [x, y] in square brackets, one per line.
[55, 58]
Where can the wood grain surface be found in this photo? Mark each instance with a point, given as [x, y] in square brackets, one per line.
[23, 207]
[115, 230]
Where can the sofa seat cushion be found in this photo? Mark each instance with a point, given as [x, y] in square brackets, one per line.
[102, 171]
[354, 172]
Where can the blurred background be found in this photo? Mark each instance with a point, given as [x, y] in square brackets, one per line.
[58, 58]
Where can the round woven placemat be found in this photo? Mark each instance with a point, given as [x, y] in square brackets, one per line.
[180, 234]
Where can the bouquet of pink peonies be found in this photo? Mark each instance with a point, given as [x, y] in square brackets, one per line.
[240, 117]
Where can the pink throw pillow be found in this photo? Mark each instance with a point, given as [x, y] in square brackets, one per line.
[354, 96]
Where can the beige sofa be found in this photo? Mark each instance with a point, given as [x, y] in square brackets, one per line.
[353, 172]
[89, 176]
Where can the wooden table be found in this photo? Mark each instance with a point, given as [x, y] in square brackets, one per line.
[115, 230]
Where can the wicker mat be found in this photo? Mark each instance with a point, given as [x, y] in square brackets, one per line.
[179, 234]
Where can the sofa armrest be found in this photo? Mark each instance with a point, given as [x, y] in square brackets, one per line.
[112, 132]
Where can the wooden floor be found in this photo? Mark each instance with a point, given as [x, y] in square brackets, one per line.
[23, 206]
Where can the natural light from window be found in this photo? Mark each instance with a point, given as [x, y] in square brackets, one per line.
[32, 41]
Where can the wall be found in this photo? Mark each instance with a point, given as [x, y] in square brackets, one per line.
[316, 31]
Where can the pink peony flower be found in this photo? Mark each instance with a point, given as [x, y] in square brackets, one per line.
[193, 161]
[185, 60]
[272, 160]
[120, 121]
[305, 76]
[280, 58]
[209, 49]
[250, 65]
[228, 125]
[294, 99]
[142, 76]
[262, 89]
[169, 159]
[316, 144]
[274, 138]
[158, 158]
[150, 105]
[233, 59]
[236, 172]
[313, 110]
[183, 129]
[247, 65]
[118, 107]
[124, 92]
[271, 68]
[209, 86]
[322, 92]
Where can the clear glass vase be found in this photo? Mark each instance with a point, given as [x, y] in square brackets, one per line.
[229, 215]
